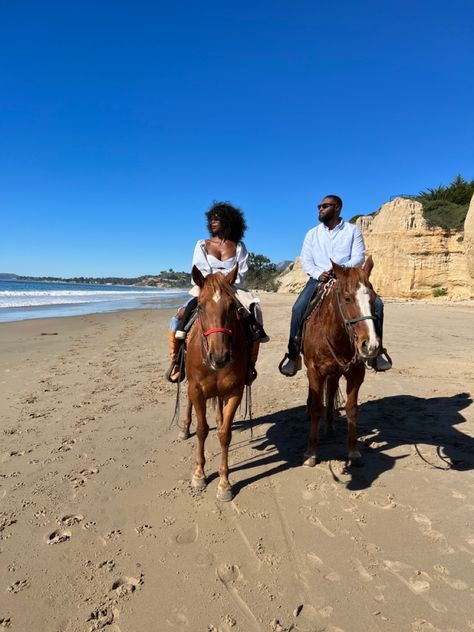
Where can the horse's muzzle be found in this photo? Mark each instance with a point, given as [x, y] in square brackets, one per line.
[219, 361]
[368, 349]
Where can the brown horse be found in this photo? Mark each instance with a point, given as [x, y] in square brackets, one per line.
[216, 365]
[340, 335]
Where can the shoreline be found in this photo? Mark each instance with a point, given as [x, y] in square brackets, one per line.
[97, 515]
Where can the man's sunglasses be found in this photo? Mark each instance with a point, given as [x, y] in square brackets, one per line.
[325, 205]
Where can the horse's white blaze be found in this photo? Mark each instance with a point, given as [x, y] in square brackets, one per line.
[362, 298]
[217, 296]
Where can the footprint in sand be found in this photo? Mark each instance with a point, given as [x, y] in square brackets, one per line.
[126, 585]
[317, 523]
[360, 568]
[318, 564]
[444, 575]
[309, 618]
[228, 573]
[427, 530]
[418, 582]
[102, 617]
[5, 622]
[70, 520]
[58, 536]
[178, 620]
[83, 476]
[16, 587]
[205, 558]
[188, 536]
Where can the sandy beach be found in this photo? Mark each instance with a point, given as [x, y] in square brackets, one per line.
[100, 529]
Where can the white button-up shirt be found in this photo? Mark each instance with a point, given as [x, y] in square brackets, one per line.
[343, 244]
[208, 264]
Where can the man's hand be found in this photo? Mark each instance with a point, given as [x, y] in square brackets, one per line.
[325, 276]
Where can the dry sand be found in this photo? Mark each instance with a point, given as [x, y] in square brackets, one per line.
[99, 527]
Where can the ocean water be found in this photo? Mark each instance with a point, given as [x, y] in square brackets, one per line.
[21, 300]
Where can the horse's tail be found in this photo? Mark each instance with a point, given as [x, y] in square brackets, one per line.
[338, 398]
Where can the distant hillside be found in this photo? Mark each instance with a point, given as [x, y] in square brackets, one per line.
[7, 276]
[168, 278]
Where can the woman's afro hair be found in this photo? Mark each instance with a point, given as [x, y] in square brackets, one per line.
[231, 218]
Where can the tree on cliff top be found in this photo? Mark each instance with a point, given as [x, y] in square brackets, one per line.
[447, 206]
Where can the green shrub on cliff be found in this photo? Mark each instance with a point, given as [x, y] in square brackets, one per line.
[447, 206]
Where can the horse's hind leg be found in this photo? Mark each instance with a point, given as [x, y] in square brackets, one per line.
[331, 385]
[184, 434]
[316, 405]
[202, 430]
[354, 381]
[224, 488]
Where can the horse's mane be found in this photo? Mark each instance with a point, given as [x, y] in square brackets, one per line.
[216, 282]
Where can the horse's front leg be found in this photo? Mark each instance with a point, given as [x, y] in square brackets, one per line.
[224, 488]
[219, 413]
[202, 430]
[184, 434]
[355, 378]
[315, 403]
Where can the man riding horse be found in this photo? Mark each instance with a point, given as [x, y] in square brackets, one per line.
[332, 240]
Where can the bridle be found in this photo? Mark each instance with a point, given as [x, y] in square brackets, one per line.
[207, 332]
[348, 322]
[348, 326]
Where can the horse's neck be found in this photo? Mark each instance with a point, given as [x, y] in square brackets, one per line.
[334, 316]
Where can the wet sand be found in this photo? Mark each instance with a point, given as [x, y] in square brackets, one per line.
[100, 529]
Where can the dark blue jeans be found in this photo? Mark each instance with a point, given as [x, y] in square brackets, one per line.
[299, 309]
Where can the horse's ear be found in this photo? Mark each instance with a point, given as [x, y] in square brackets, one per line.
[197, 275]
[337, 269]
[368, 265]
[232, 274]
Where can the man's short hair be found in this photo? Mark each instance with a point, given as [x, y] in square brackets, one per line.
[336, 198]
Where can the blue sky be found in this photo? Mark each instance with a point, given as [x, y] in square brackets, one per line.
[122, 121]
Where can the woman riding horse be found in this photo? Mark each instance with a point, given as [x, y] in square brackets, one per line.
[220, 253]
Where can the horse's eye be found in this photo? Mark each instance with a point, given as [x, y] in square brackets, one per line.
[348, 299]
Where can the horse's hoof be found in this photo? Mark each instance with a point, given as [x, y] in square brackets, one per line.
[183, 435]
[309, 461]
[198, 483]
[224, 494]
[356, 460]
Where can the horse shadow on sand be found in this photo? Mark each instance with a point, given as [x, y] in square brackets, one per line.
[400, 424]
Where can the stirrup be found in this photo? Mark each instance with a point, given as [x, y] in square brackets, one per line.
[173, 374]
[297, 361]
[176, 372]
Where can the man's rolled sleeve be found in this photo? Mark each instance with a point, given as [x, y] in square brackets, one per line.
[307, 259]
[357, 250]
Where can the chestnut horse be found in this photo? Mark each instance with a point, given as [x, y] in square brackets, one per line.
[216, 366]
[340, 335]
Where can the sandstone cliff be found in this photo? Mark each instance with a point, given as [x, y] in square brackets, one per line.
[469, 239]
[412, 259]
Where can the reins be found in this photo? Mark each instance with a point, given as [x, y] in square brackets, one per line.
[347, 322]
[207, 332]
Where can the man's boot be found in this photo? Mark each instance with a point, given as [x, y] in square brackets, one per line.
[251, 370]
[291, 363]
[173, 373]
